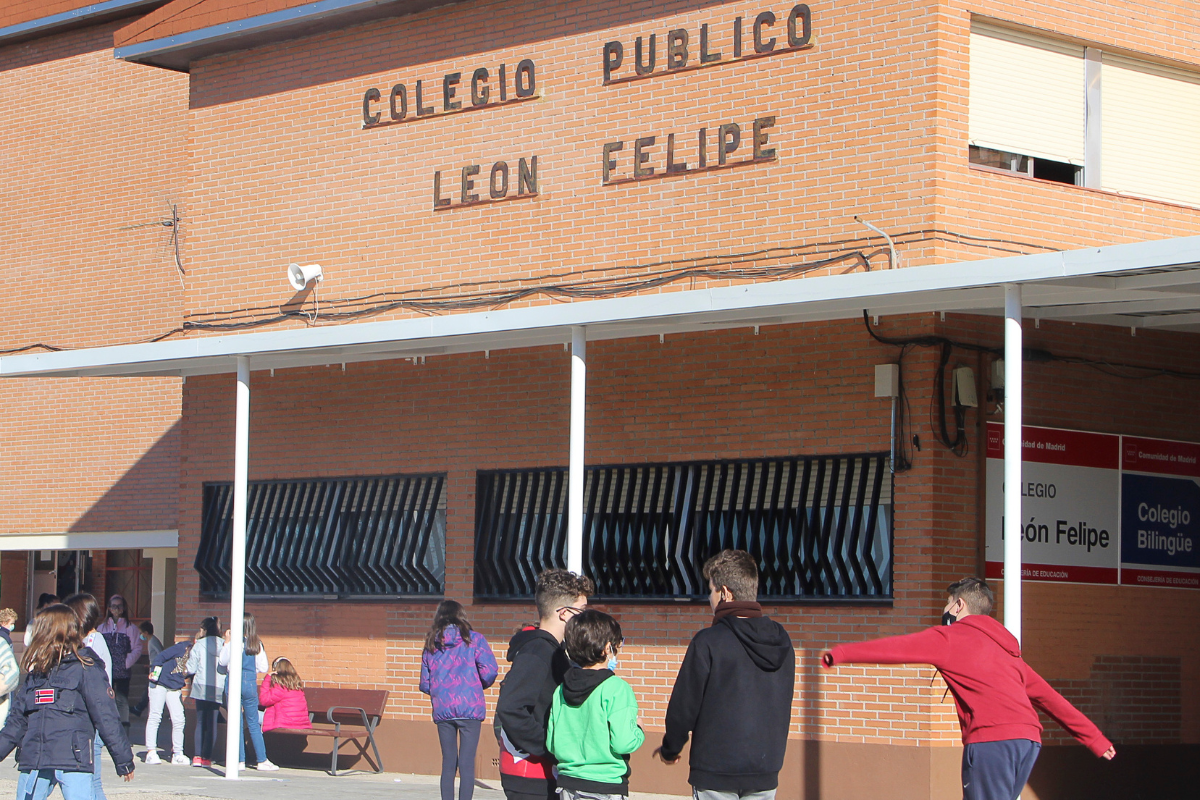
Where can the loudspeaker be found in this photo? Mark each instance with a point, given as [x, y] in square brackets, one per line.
[300, 276]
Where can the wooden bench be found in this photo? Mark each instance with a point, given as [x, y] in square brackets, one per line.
[353, 715]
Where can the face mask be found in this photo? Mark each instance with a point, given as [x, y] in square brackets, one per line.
[612, 664]
[948, 618]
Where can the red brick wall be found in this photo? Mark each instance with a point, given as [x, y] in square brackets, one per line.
[720, 395]
[86, 181]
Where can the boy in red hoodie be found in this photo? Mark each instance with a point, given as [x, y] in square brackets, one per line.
[994, 691]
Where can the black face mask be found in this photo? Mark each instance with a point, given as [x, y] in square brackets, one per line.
[948, 618]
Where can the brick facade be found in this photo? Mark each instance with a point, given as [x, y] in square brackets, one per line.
[264, 156]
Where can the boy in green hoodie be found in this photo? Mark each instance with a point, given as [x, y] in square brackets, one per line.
[593, 718]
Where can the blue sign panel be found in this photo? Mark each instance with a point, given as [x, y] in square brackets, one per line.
[1160, 521]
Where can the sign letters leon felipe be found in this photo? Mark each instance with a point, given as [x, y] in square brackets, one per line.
[1069, 487]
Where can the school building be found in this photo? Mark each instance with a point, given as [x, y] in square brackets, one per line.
[439, 294]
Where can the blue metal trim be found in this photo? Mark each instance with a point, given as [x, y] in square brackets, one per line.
[44, 25]
[226, 30]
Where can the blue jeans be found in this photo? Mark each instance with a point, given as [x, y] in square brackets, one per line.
[250, 713]
[97, 768]
[37, 785]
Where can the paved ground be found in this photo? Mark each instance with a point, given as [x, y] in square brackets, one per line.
[166, 782]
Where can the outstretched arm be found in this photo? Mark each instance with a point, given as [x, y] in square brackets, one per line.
[1072, 719]
[929, 646]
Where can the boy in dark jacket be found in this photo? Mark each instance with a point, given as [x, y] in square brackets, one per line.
[994, 691]
[734, 690]
[538, 666]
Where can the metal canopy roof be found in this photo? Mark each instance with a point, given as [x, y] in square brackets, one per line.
[1152, 284]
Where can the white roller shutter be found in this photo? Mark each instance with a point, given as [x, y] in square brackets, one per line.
[1027, 95]
[1150, 134]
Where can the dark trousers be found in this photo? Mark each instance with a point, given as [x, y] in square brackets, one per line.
[207, 714]
[997, 770]
[459, 739]
[121, 689]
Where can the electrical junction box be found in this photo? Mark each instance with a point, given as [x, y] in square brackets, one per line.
[887, 380]
[964, 388]
[998, 373]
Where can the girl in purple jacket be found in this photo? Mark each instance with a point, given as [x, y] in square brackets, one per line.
[456, 667]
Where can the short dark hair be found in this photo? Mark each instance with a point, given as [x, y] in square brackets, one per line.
[147, 627]
[975, 593]
[210, 626]
[735, 570]
[587, 634]
[87, 610]
[559, 587]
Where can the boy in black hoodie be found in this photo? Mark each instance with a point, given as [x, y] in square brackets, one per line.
[734, 690]
[538, 665]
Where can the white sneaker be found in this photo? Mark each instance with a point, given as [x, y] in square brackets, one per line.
[241, 766]
[152, 757]
[266, 765]
[180, 760]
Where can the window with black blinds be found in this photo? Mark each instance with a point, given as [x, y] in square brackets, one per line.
[820, 527]
[346, 537]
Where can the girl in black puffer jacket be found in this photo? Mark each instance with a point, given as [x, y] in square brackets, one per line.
[56, 712]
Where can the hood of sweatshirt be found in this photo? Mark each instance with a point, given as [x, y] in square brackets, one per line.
[765, 640]
[451, 637]
[526, 635]
[994, 630]
[578, 683]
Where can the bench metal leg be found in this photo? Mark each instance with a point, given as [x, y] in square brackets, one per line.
[333, 764]
[378, 758]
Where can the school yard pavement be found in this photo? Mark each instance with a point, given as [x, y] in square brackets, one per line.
[167, 782]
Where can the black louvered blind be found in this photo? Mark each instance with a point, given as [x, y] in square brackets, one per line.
[351, 537]
[820, 526]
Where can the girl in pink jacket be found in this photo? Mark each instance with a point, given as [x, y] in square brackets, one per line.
[282, 696]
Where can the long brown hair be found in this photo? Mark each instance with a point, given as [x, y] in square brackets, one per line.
[87, 609]
[449, 612]
[55, 632]
[286, 675]
[251, 644]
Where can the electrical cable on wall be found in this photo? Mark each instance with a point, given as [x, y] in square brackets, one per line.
[959, 443]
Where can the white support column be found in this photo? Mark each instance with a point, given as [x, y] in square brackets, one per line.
[158, 592]
[575, 473]
[1012, 458]
[237, 585]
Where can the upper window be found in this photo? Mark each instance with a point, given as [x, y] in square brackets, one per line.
[1027, 103]
[820, 527]
[1074, 114]
[342, 537]
[1150, 118]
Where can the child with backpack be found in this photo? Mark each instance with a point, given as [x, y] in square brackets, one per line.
[56, 713]
[168, 674]
[593, 725]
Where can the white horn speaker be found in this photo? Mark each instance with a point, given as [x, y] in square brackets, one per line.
[301, 276]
